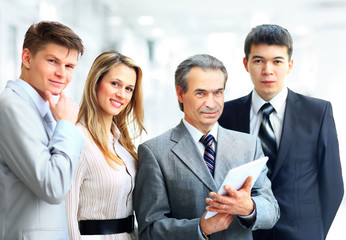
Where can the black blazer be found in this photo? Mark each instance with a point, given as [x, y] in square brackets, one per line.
[306, 177]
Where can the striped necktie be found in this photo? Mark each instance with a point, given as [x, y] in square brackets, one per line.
[266, 135]
[209, 153]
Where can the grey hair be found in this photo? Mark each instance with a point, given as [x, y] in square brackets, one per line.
[202, 61]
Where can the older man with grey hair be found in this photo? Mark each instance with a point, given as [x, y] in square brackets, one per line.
[181, 170]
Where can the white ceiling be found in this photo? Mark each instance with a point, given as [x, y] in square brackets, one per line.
[196, 18]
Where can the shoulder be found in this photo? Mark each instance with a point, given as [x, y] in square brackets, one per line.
[236, 135]
[307, 103]
[238, 101]
[89, 144]
[159, 140]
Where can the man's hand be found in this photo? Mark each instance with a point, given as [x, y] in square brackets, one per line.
[64, 109]
[217, 223]
[235, 203]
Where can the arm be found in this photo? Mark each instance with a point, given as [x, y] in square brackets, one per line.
[44, 166]
[72, 199]
[156, 201]
[331, 187]
[152, 206]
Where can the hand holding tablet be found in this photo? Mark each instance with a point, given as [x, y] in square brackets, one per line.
[237, 176]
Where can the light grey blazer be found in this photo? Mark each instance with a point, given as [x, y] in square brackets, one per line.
[173, 182]
[35, 169]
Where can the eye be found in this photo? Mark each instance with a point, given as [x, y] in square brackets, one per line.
[51, 60]
[129, 89]
[115, 84]
[277, 61]
[70, 66]
[258, 61]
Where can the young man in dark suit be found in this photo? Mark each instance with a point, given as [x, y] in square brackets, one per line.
[304, 164]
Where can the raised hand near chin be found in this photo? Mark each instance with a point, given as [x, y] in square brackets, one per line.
[65, 109]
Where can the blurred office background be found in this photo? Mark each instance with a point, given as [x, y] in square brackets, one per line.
[158, 35]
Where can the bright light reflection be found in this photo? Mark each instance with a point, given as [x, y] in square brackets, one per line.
[47, 11]
[146, 20]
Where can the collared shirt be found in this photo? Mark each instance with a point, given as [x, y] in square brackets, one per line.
[99, 191]
[41, 105]
[196, 135]
[276, 118]
[37, 99]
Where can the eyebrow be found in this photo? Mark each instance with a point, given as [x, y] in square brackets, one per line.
[59, 60]
[278, 57]
[203, 90]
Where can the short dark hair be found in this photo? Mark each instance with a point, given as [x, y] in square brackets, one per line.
[202, 61]
[40, 34]
[269, 34]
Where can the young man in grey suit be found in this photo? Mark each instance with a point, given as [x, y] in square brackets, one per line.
[305, 164]
[39, 144]
[175, 186]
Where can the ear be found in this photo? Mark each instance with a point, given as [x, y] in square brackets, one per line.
[245, 64]
[26, 58]
[179, 91]
[290, 66]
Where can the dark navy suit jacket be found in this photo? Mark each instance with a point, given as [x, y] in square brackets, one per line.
[306, 177]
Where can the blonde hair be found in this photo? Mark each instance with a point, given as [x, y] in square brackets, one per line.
[133, 114]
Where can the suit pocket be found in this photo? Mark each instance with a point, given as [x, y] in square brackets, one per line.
[45, 234]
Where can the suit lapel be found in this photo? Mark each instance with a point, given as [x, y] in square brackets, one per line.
[288, 131]
[23, 94]
[188, 153]
[223, 151]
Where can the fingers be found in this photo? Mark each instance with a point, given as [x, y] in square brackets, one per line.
[217, 205]
[247, 184]
[216, 223]
[64, 109]
[50, 99]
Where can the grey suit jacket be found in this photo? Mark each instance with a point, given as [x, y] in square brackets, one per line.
[173, 182]
[35, 169]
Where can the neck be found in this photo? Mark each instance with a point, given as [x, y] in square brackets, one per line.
[108, 123]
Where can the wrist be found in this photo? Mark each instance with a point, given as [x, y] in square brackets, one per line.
[204, 235]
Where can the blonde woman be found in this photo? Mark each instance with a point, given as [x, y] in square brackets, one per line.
[99, 204]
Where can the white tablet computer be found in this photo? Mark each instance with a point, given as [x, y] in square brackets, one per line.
[236, 177]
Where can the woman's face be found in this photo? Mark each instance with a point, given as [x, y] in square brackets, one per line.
[115, 90]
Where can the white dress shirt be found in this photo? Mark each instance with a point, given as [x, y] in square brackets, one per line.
[42, 106]
[276, 118]
[196, 135]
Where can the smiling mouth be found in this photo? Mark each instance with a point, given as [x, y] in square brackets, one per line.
[116, 103]
[56, 82]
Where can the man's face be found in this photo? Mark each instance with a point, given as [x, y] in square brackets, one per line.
[204, 98]
[49, 69]
[268, 66]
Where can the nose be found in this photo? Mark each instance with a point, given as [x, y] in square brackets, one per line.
[120, 93]
[60, 71]
[210, 101]
[267, 69]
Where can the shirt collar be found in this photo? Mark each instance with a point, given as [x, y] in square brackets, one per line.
[277, 102]
[36, 98]
[196, 134]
